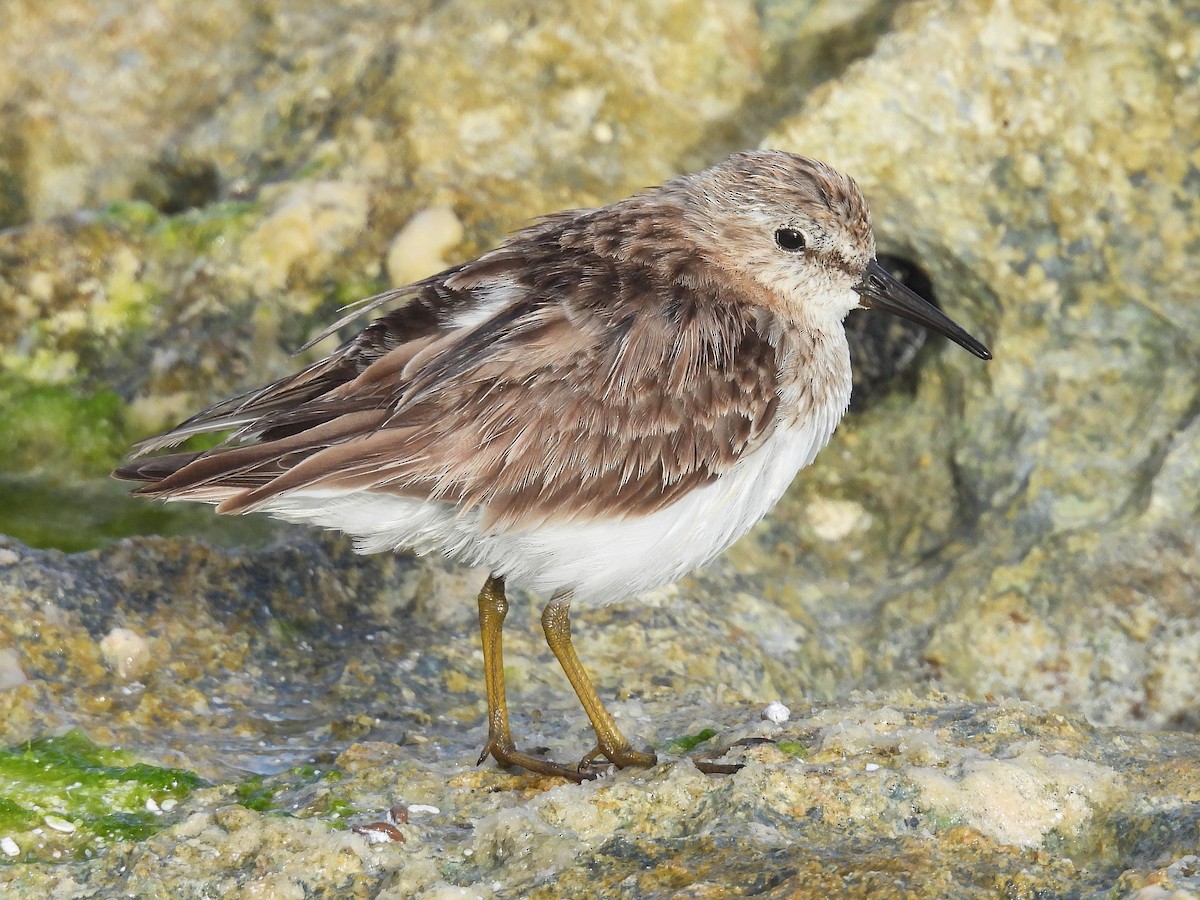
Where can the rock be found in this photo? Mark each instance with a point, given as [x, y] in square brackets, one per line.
[963, 797]
[306, 225]
[245, 640]
[60, 613]
[417, 251]
[91, 101]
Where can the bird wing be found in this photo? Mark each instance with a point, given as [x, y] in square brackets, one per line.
[545, 381]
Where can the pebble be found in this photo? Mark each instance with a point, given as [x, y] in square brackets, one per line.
[776, 712]
[11, 675]
[59, 824]
[127, 653]
[833, 520]
[419, 248]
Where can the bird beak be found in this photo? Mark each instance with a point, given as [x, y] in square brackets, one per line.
[879, 290]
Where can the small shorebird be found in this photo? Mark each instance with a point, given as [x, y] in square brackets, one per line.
[593, 409]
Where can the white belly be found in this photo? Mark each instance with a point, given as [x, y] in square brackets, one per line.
[600, 561]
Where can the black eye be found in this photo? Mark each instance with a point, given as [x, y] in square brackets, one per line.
[789, 239]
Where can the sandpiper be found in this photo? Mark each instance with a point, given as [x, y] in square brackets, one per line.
[596, 407]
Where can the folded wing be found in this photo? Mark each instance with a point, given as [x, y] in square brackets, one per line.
[543, 382]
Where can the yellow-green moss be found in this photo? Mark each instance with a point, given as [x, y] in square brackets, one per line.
[64, 427]
[82, 797]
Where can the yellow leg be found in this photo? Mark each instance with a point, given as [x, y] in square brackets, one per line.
[493, 607]
[610, 743]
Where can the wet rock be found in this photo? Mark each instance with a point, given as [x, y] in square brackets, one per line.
[971, 798]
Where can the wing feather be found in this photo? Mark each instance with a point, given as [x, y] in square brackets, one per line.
[600, 387]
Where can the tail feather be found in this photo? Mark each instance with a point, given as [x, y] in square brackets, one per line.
[274, 428]
[224, 472]
[154, 469]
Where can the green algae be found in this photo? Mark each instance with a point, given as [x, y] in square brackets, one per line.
[194, 231]
[67, 797]
[691, 741]
[792, 748]
[256, 794]
[301, 792]
[65, 384]
[14, 817]
[60, 427]
[131, 215]
[198, 230]
[57, 449]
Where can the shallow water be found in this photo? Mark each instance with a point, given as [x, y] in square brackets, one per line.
[48, 513]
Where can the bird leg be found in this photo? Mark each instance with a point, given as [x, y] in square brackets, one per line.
[493, 607]
[611, 744]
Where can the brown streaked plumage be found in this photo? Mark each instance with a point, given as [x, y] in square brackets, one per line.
[605, 401]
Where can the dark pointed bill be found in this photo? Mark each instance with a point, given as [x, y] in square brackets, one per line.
[879, 290]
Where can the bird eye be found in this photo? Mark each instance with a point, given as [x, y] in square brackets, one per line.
[789, 239]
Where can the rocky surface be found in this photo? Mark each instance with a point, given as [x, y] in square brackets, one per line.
[357, 683]
[1028, 528]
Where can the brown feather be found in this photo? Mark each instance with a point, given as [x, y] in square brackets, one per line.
[629, 366]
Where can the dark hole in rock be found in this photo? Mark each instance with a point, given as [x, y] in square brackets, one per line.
[883, 348]
[174, 185]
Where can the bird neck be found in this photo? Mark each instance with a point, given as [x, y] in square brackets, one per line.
[814, 371]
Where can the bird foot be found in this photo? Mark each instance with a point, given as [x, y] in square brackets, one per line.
[505, 752]
[594, 764]
[620, 755]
